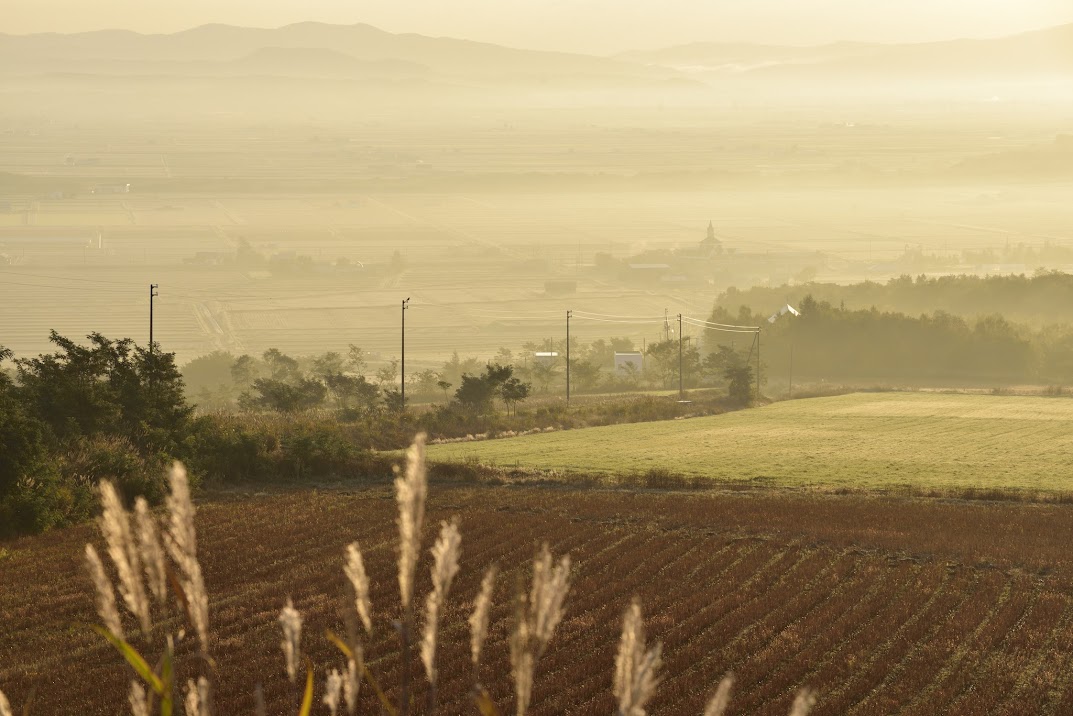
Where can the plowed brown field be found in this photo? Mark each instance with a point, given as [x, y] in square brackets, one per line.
[883, 605]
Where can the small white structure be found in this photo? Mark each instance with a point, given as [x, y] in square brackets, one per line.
[624, 361]
[782, 312]
[545, 357]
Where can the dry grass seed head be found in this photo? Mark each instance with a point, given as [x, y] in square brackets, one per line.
[359, 581]
[291, 622]
[536, 618]
[352, 684]
[139, 704]
[411, 489]
[152, 554]
[333, 686]
[197, 697]
[721, 698]
[106, 605]
[478, 621]
[445, 554]
[804, 702]
[115, 526]
[635, 668]
[181, 542]
[550, 586]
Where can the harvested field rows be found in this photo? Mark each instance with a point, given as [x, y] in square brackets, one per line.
[882, 605]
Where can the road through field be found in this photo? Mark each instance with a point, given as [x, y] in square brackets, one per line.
[864, 440]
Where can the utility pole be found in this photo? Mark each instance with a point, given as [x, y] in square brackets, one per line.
[568, 314]
[405, 305]
[757, 365]
[681, 391]
[152, 294]
[791, 367]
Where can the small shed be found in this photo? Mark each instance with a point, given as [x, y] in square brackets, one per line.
[624, 360]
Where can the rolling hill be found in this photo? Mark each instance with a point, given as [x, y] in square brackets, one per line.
[860, 441]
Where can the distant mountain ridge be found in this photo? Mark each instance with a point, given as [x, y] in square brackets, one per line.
[1041, 51]
[318, 46]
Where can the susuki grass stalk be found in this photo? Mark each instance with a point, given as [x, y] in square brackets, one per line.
[115, 526]
[181, 542]
[635, 668]
[106, 604]
[445, 555]
[333, 687]
[804, 702]
[351, 685]
[139, 703]
[359, 582]
[411, 489]
[536, 617]
[478, 621]
[291, 622]
[717, 706]
[150, 551]
[197, 697]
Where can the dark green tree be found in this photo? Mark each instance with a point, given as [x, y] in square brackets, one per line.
[740, 384]
[285, 397]
[513, 391]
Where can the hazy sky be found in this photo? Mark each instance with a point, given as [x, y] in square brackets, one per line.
[595, 26]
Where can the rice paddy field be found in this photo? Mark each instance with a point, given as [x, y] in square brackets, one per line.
[884, 606]
[870, 441]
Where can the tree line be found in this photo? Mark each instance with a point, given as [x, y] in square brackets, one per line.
[832, 343]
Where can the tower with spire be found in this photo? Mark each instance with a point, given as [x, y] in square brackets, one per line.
[711, 245]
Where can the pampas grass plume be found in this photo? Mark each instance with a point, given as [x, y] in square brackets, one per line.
[106, 605]
[411, 489]
[478, 621]
[445, 554]
[333, 686]
[635, 668]
[291, 622]
[152, 554]
[139, 705]
[115, 526]
[359, 580]
[721, 698]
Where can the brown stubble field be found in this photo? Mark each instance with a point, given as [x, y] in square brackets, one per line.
[883, 605]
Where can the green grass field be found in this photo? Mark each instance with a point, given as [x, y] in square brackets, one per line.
[867, 441]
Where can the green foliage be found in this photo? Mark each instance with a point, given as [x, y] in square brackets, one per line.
[514, 391]
[475, 393]
[90, 459]
[109, 387]
[109, 409]
[740, 384]
[283, 396]
[1043, 298]
[478, 393]
[209, 379]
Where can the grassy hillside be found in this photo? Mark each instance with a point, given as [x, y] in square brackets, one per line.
[870, 441]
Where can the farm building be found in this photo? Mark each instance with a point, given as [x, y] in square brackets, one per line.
[545, 357]
[629, 358]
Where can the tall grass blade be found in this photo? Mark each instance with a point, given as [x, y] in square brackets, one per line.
[307, 697]
[141, 668]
